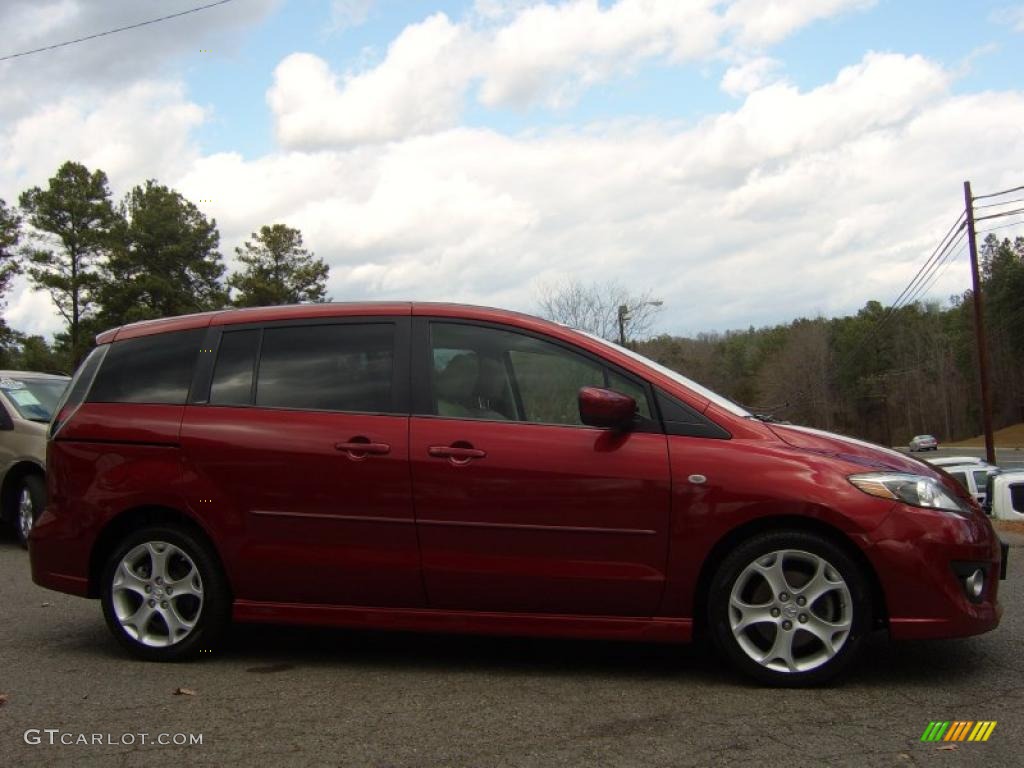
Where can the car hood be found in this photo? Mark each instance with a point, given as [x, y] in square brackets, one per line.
[849, 449]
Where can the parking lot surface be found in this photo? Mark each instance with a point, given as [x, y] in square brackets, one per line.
[290, 696]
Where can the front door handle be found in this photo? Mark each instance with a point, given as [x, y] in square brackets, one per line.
[456, 454]
[358, 448]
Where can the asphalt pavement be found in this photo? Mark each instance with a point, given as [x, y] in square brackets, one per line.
[287, 696]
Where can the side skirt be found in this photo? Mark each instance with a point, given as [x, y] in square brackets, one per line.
[656, 630]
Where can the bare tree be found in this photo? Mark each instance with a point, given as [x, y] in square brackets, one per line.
[595, 307]
[797, 379]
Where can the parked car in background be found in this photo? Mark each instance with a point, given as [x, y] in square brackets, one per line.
[924, 443]
[440, 467]
[1005, 495]
[974, 477]
[27, 401]
[949, 461]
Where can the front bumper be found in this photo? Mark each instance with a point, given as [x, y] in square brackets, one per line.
[917, 553]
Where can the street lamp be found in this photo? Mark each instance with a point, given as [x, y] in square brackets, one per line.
[624, 316]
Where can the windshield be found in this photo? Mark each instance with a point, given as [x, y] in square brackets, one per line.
[34, 399]
[717, 399]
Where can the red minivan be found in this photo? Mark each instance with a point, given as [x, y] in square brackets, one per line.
[459, 469]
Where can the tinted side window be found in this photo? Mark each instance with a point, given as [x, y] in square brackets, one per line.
[487, 373]
[960, 477]
[620, 383]
[327, 367]
[981, 480]
[233, 371]
[150, 369]
[1017, 497]
[550, 379]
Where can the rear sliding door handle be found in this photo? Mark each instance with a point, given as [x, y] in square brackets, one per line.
[359, 448]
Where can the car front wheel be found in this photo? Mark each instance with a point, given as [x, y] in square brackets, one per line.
[164, 596]
[789, 608]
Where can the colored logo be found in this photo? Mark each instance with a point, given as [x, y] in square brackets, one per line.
[958, 730]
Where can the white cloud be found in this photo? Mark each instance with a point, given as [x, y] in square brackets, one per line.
[796, 201]
[92, 67]
[1012, 16]
[742, 78]
[546, 52]
[514, 54]
[346, 14]
[764, 22]
[138, 132]
[415, 90]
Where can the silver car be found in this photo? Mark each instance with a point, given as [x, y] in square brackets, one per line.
[924, 443]
[27, 401]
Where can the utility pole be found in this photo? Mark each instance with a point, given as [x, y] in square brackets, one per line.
[979, 329]
[624, 316]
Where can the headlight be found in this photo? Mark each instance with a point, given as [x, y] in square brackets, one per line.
[916, 490]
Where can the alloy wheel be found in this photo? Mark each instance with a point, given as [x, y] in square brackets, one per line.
[157, 594]
[790, 611]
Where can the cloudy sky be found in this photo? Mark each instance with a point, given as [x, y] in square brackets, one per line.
[748, 161]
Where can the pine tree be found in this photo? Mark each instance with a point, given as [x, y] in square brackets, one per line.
[278, 270]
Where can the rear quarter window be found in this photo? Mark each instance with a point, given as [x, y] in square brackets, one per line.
[149, 369]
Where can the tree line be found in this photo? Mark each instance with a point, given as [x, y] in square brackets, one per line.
[878, 374]
[151, 254]
[881, 374]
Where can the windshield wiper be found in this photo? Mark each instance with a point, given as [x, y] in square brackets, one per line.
[767, 415]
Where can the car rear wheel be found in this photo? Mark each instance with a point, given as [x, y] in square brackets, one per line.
[31, 500]
[789, 608]
[164, 596]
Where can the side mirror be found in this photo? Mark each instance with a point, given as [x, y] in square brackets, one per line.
[606, 409]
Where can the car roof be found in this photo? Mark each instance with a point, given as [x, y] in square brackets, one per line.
[946, 461]
[306, 311]
[970, 467]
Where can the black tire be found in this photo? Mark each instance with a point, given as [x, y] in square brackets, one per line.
[805, 550]
[35, 487]
[210, 614]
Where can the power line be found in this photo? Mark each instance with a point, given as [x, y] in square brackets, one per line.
[997, 194]
[958, 225]
[1000, 215]
[113, 31]
[1001, 226]
[937, 258]
[941, 250]
[935, 276]
[996, 205]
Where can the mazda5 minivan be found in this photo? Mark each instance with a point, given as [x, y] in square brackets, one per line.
[460, 469]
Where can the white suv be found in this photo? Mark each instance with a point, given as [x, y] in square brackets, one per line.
[973, 477]
[1006, 492]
